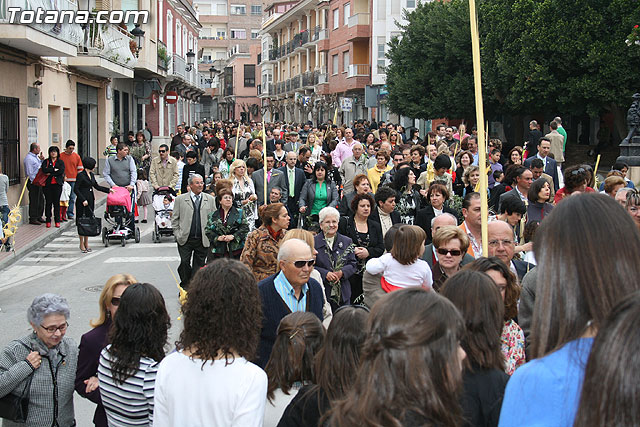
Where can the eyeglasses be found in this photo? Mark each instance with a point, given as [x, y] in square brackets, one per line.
[577, 171]
[453, 252]
[115, 301]
[162, 151]
[301, 264]
[53, 329]
[496, 243]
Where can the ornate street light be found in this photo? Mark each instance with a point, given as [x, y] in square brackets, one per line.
[190, 60]
[138, 33]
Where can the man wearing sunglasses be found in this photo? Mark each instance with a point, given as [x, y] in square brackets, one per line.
[288, 291]
[164, 169]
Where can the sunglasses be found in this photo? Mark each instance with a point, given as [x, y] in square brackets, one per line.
[115, 301]
[301, 264]
[162, 151]
[453, 252]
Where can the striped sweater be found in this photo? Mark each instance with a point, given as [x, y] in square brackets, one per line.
[129, 403]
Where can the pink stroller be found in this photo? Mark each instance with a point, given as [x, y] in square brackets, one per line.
[119, 216]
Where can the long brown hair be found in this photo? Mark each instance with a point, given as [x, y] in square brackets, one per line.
[511, 291]
[479, 301]
[299, 338]
[410, 367]
[577, 285]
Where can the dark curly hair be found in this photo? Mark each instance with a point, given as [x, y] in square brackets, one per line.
[139, 330]
[300, 336]
[358, 198]
[222, 314]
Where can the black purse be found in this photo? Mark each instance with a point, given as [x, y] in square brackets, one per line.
[89, 225]
[15, 407]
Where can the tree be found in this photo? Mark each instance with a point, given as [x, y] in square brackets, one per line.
[538, 56]
[430, 72]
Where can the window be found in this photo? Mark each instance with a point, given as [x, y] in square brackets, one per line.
[221, 33]
[220, 9]
[347, 13]
[255, 34]
[249, 75]
[411, 3]
[206, 58]
[345, 62]
[205, 32]
[336, 18]
[239, 34]
[256, 9]
[381, 46]
[10, 137]
[204, 9]
[221, 55]
[238, 9]
[382, 10]
[334, 64]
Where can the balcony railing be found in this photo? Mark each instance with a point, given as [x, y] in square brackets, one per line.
[295, 82]
[358, 19]
[288, 85]
[163, 57]
[307, 79]
[358, 70]
[322, 78]
[179, 65]
[319, 34]
[108, 41]
[70, 33]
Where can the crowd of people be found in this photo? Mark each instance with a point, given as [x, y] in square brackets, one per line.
[343, 283]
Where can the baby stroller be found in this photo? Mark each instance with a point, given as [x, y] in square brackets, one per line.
[119, 216]
[163, 200]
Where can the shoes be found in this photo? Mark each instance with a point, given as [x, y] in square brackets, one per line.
[89, 250]
[69, 216]
[48, 225]
[136, 221]
[144, 221]
[84, 251]
[57, 225]
[41, 220]
[34, 222]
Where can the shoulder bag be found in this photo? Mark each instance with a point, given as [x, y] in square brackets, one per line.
[15, 407]
[41, 178]
[89, 225]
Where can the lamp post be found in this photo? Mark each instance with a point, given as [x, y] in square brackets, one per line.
[190, 60]
[212, 73]
[138, 33]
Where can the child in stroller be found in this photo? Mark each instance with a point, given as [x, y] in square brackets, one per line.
[163, 200]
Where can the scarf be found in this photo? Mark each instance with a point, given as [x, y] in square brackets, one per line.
[274, 235]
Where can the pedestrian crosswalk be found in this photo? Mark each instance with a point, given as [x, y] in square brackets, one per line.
[64, 252]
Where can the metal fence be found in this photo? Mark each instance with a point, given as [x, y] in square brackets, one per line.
[9, 138]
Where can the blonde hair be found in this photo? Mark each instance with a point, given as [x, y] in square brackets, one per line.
[298, 233]
[467, 173]
[237, 163]
[450, 232]
[107, 294]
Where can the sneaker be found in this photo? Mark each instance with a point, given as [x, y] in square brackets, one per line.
[144, 221]
[48, 225]
[69, 216]
[34, 222]
[57, 225]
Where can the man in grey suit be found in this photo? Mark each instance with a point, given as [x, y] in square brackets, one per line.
[293, 144]
[275, 178]
[189, 218]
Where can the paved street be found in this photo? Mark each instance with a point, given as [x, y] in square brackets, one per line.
[60, 267]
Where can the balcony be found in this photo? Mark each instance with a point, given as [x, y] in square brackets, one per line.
[269, 19]
[163, 57]
[358, 27]
[105, 52]
[359, 70]
[322, 78]
[213, 42]
[178, 67]
[295, 82]
[288, 85]
[300, 39]
[40, 39]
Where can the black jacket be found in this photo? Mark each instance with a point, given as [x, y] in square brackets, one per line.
[347, 228]
[424, 217]
[395, 216]
[54, 170]
[482, 396]
[186, 171]
[85, 183]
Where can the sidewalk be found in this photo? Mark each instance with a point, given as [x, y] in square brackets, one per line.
[31, 237]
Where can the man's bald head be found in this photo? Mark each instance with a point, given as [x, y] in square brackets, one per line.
[501, 243]
[442, 221]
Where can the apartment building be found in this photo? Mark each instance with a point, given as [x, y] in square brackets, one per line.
[86, 82]
[316, 58]
[228, 37]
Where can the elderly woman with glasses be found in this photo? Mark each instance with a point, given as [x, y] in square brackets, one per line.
[43, 363]
[451, 244]
[92, 343]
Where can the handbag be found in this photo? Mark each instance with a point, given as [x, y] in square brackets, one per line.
[41, 178]
[14, 407]
[89, 225]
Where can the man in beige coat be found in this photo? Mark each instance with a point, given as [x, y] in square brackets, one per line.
[189, 219]
[557, 143]
[164, 169]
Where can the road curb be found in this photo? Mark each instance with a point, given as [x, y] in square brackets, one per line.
[41, 241]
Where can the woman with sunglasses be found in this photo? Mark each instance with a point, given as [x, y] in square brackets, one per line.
[92, 343]
[451, 245]
[44, 363]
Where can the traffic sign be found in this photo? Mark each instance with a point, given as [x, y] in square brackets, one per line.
[171, 97]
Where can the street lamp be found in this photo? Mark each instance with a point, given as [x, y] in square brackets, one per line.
[212, 73]
[138, 33]
[190, 60]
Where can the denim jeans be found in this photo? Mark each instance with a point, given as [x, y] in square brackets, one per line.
[72, 199]
[4, 214]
